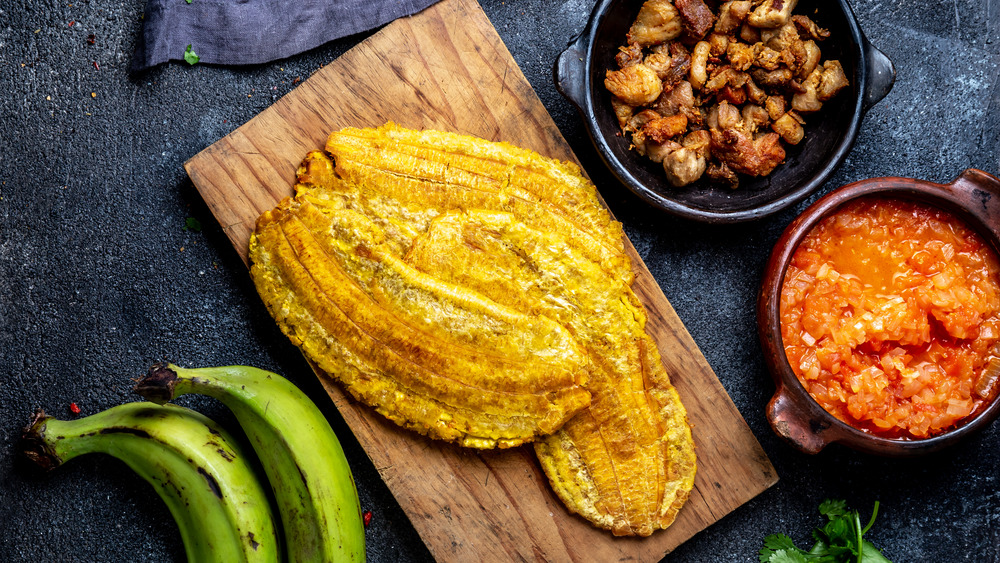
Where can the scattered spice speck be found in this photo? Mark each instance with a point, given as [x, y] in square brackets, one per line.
[74, 409]
[91, 39]
[367, 517]
[190, 56]
[71, 23]
[97, 66]
[93, 94]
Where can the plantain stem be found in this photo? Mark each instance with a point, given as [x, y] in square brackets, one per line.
[158, 385]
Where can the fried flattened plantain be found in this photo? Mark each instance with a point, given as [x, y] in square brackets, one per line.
[431, 356]
[401, 247]
[626, 463]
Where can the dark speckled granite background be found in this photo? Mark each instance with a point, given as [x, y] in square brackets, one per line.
[99, 278]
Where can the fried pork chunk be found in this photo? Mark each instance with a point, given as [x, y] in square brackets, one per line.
[755, 55]
[525, 238]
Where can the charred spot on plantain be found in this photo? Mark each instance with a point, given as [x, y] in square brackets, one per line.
[212, 483]
[225, 455]
[253, 542]
[124, 430]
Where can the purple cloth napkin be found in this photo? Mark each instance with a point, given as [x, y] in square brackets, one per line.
[239, 32]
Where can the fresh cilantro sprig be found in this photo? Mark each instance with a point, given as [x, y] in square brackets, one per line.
[839, 541]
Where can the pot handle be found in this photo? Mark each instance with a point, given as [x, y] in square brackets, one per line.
[880, 77]
[790, 422]
[980, 194]
[570, 73]
[570, 69]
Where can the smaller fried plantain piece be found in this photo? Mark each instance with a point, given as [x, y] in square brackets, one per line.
[429, 355]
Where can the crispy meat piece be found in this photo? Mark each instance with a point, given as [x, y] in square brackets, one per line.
[639, 120]
[807, 101]
[728, 117]
[717, 44]
[768, 58]
[697, 17]
[629, 55]
[754, 117]
[810, 59]
[659, 63]
[657, 22]
[665, 128]
[832, 80]
[775, 106]
[679, 100]
[731, 16]
[789, 126]
[772, 13]
[699, 64]
[732, 95]
[749, 33]
[683, 167]
[622, 111]
[699, 142]
[719, 172]
[782, 38]
[772, 79]
[657, 152]
[741, 55]
[808, 28]
[636, 85]
[754, 93]
[746, 155]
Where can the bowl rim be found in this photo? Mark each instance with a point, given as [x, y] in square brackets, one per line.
[956, 198]
[867, 95]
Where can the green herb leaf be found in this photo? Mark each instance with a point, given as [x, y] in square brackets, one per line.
[188, 1]
[871, 554]
[782, 556]
[838, 541]
[192, 224]
[833, 508]
[773, 544]
[190, 56]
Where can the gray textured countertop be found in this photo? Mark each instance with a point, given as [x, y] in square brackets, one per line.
[99, 278]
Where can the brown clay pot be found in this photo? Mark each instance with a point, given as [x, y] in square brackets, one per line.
[973, 197]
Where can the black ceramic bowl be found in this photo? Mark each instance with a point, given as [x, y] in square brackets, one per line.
[579, 75]
[973, 197]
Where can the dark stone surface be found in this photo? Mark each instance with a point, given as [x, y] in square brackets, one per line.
[99, 278]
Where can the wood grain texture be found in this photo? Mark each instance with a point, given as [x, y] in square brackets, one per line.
[446, 68]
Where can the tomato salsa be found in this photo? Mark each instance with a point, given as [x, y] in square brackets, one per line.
[890, 317]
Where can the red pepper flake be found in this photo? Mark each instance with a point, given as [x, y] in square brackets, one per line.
[74, 409]
[71, 23]
[97, 66]
[367, 517]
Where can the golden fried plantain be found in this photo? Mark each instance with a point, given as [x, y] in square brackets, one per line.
[626, 463]
[431, 356]
[466, 289]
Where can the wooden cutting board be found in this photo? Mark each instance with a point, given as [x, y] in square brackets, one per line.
[446, 68]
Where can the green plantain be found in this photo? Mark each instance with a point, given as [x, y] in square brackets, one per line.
[303, 459]
[217, 501]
